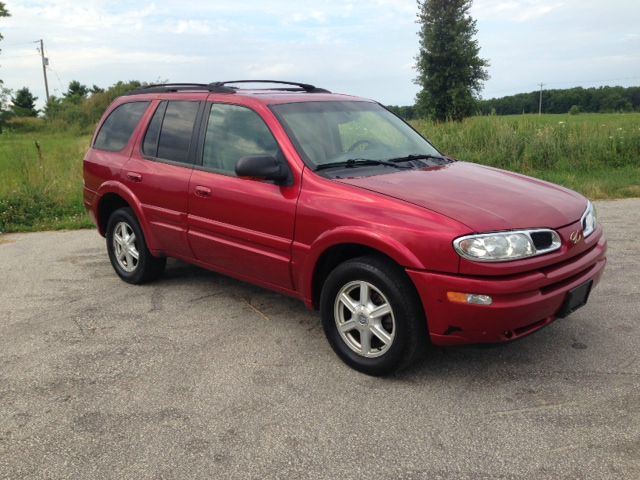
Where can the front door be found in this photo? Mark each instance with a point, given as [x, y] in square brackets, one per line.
[241, 227]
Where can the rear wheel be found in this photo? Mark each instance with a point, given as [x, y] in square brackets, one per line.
[128, 251]
[372, 316]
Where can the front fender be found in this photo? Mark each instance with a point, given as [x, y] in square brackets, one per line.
[307, 256]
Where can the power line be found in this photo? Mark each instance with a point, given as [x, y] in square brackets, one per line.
[20, 56]
[55, 72]
[45, 62]
[16, 44]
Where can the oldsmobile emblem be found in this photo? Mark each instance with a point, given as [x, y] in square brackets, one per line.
[575, 237]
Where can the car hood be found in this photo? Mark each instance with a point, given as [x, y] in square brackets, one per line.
[483, 198]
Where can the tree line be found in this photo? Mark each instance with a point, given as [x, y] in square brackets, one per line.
[79, 107]
[569, 100]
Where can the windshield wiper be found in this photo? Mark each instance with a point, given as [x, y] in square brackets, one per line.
[359, 162]
[417, 156]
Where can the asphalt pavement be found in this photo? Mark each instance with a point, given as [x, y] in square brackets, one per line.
[201, 376]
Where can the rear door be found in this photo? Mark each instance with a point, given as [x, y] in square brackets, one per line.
[159, 170]
[242, 227]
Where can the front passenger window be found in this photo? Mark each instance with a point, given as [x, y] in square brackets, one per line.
[234, 132]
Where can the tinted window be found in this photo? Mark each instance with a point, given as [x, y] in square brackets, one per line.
[150, 144]
[119, 126]
[234, 132]
[177, 127]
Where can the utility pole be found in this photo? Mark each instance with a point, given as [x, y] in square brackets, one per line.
[540, 105]
[45, 62]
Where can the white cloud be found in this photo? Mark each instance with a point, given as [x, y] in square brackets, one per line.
[75, 16]
[518, 11]
[66, 61]
[271, 71]
[315, 15]
[196, 27]
[364, 47]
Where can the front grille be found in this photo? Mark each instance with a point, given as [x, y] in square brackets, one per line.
[570, 277]
[542, 239]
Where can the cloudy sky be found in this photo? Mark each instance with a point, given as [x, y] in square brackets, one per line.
[363, 47]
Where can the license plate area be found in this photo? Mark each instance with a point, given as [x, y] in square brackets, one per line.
[576, 298]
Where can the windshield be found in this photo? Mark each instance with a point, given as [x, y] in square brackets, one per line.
[333, 132]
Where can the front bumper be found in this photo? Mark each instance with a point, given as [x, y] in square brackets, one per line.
[521, 304]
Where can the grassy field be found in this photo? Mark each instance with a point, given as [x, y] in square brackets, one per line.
[596, 154]
[41, 181]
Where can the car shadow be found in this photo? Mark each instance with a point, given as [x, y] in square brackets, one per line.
[552, 349]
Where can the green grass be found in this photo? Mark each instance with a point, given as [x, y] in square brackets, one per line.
[596, 154]
[41, 188]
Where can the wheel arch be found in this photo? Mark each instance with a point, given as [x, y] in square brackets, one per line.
[109, 203]
[111, 197]
[336, 247]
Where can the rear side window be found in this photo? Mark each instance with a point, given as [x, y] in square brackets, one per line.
[117, 129]
[150, 144]
[176, 131]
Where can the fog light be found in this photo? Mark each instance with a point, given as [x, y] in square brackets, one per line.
[470, 298]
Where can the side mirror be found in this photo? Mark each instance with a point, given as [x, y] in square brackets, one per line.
[263, 166]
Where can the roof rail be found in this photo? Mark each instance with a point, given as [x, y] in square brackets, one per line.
[179, 87]
[222, 87]
[306, 87]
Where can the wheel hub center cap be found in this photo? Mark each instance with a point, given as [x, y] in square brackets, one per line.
[362, 317]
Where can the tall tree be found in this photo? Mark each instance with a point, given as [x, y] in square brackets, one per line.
[76, 92]
[450, 70]
[24, 103]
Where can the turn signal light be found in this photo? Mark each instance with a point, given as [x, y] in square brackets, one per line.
[469, 298]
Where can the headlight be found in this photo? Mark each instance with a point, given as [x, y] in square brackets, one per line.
[506, 246]
[589, 220]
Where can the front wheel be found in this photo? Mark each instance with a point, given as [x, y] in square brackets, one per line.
[372, 316]
[128, 251]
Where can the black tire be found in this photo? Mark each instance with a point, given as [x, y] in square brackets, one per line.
[147, 267]
[410, 333]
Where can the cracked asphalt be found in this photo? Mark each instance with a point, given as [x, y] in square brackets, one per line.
[201, 376]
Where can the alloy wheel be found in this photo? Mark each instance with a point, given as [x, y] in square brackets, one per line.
[125, 247]
[364, 318]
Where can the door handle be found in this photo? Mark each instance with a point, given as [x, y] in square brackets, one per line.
[203, 192]
[134, 176]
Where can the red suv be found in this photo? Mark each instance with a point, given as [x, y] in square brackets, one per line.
[334, 200]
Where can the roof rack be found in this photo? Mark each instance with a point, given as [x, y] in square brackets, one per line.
[221, 87]
[297, 86]
[179, 87]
